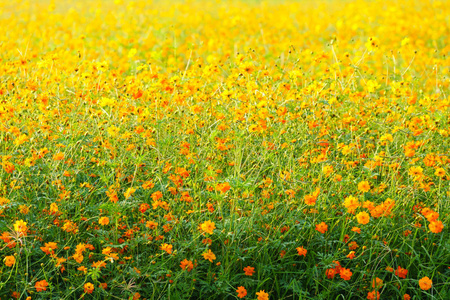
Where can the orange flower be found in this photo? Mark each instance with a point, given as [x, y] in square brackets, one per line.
[58, 156]
[103, 221]
[322, 227]
[8, 167]
[400, 272]
[9, 261]
[353, 245]
[425, 283]
[346, 274]
[311, 199]
[88, 288]
[330, 273]
[209, 255]
[262, 295]
[242, 292]
[151, 224]
[208, 227]
[436, 226]
[144, 207]
[99, 264]
[186, 265]
[364, 186]
[249, 270]
[167, 248]
[41, 285]
[223, 187]
[373, 295]
[148, 185]
[363, 218]
[356, 229]
[351, 255]
[136, 296]
[377, 283]
[406, 297]
[301, 251]
[156, 195]
[49, 247]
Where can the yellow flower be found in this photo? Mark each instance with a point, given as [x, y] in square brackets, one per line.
[132, 53]
[440, 172]
[208, 227]
[364, 186]
[372, 44]
[363, 218]
[21, 227]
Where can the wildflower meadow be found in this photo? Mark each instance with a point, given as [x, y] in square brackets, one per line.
[236, 149]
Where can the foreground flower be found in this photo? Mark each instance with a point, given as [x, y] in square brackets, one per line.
[103, 221]
[346, 274]
[322, 227]
[436, 226]
[330, 273]
[351, 203]
[88, 288]
[223, 187]
[208, 227]
[49, 247]
[363, 218]
[351, 255]
[186, 265]
[301, 251]
[242, 292]
[209, 255]
[364, 186]
[312, 198]
[10, 261]
[21, 227]
[400, 272]
[372, 44]
[262, 295]
[425, 283]
[8, 167]
[373, 295]
[167, 248]
[333, 271]
[377, 283]
[41, 285]
[249, 270]
[356, 229]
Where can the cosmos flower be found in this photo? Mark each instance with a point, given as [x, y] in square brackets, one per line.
[208, 227]
[425, 283]
[242, 292]
[209, 255]
[249, 270]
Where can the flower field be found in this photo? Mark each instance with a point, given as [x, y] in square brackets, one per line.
[225, 149]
